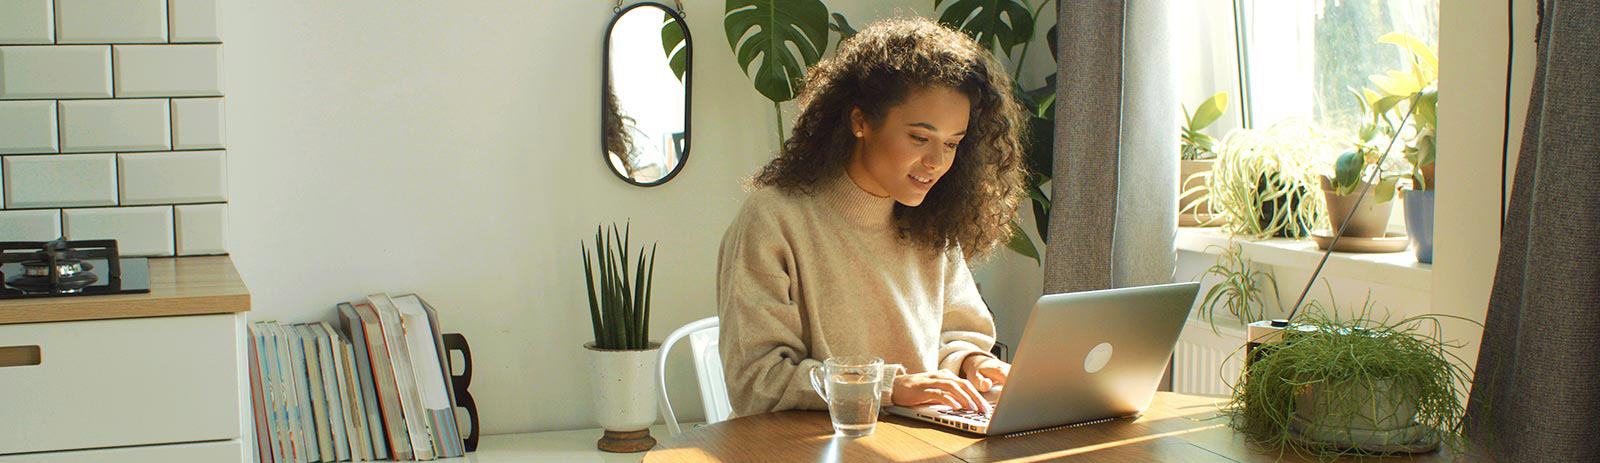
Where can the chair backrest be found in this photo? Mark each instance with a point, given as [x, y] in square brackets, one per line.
[702, 336]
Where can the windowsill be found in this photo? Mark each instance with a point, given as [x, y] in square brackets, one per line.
[1398, 269]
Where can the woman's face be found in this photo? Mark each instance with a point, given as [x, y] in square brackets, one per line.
[903, 157]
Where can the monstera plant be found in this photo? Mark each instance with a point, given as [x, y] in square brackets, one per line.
[788, 36]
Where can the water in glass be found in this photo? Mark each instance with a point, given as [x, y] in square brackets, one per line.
[853, 403]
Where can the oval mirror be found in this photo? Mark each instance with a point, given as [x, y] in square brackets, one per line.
[644, 94]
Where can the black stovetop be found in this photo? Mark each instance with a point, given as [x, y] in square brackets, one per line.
[130, 275]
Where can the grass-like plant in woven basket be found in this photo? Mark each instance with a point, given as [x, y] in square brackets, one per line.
[1264, 181]
[1353, 386]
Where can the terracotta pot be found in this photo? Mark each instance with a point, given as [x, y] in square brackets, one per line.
[1200, 214]
[1370, 221]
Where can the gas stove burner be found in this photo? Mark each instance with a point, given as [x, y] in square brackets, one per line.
[61, 267]
[71, 276]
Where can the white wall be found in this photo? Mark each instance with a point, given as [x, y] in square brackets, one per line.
[451, 149]
[1472, 85]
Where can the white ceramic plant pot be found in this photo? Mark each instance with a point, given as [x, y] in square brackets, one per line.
[1376, 406]
[624, 387]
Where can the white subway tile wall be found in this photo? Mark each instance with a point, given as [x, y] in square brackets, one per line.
[139, 231]
[115, 125]
[168, 70]
[60, 180]
[27, 21]
[193, 21]
[173, 178]
[72, 71]
[27, 127]
[201, 230]
[112, 124]
[31, 225]
[111, 21]
[197, 123]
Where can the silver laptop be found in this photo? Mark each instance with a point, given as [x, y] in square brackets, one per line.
[1084, 357]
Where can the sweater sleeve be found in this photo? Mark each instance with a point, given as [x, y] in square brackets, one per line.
[766, 362]
[967, 328]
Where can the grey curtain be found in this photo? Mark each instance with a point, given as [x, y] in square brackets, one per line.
[1114, 187]
[1536, 391]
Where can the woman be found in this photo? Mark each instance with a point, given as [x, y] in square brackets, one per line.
[905, 161]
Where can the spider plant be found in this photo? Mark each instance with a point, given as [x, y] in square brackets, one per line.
[1241, 290]
[1263, 180]
[619, 311]
[1344, 378]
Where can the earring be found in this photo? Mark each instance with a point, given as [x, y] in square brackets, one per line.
[858, 134]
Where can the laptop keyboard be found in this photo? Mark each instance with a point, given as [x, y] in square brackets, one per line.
[970, 413]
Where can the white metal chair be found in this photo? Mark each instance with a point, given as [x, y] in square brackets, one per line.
[702, 336]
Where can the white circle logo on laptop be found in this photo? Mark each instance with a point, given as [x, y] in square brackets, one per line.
[1098, 357]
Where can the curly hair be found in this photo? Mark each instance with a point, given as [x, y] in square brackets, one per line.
[972, 206]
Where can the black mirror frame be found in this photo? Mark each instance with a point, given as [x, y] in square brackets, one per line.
[688, 90]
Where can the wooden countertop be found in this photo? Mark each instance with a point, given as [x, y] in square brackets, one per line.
[178, 286]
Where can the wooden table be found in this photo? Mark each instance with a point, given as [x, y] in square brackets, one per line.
[1176, 427]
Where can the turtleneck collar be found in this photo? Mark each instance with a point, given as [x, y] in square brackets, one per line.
[859, 207]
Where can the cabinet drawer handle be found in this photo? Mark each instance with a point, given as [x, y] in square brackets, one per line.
[19, 356]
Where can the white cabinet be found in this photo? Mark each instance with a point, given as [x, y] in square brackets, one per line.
[163, 383]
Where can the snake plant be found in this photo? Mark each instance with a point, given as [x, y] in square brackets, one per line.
[619, 310]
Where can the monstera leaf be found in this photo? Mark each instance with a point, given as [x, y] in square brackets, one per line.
[672, 44]
[842, 26]
[767, 29]
[995, 24]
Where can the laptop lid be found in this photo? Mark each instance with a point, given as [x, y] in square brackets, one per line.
[1091, 355]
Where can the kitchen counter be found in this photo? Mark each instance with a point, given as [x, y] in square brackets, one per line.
[178, 286]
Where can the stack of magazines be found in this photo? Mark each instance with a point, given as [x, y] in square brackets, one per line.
[373, 388]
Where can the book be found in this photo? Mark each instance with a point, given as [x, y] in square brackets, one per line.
[304, 434]
[332, 403]
[260, 398]
[387, 389]
[317, 397]
[427, 351]
[360, 437]
[405, 377]
[293, 436]
[335, 353]
[354, 329]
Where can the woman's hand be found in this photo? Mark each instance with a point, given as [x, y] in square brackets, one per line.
[985, 372]
[940, 387]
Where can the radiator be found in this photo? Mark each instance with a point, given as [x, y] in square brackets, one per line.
[1207, 362]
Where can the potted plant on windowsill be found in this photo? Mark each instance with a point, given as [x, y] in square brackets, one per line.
[1335, 387]
[1408, 102]
[1197, 154]
[1353, 172]
[1263, 181]
[622, 355]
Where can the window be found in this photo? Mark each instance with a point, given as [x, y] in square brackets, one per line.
[1301, 57]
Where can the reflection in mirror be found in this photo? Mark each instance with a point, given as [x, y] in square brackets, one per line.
[644, 101]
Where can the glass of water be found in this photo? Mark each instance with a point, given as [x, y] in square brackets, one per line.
[850, 387]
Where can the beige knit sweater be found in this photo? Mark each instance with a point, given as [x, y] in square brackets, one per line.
[802, 278]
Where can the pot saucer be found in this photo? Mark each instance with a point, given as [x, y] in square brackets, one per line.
[1410, 439]
[1390, 242]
